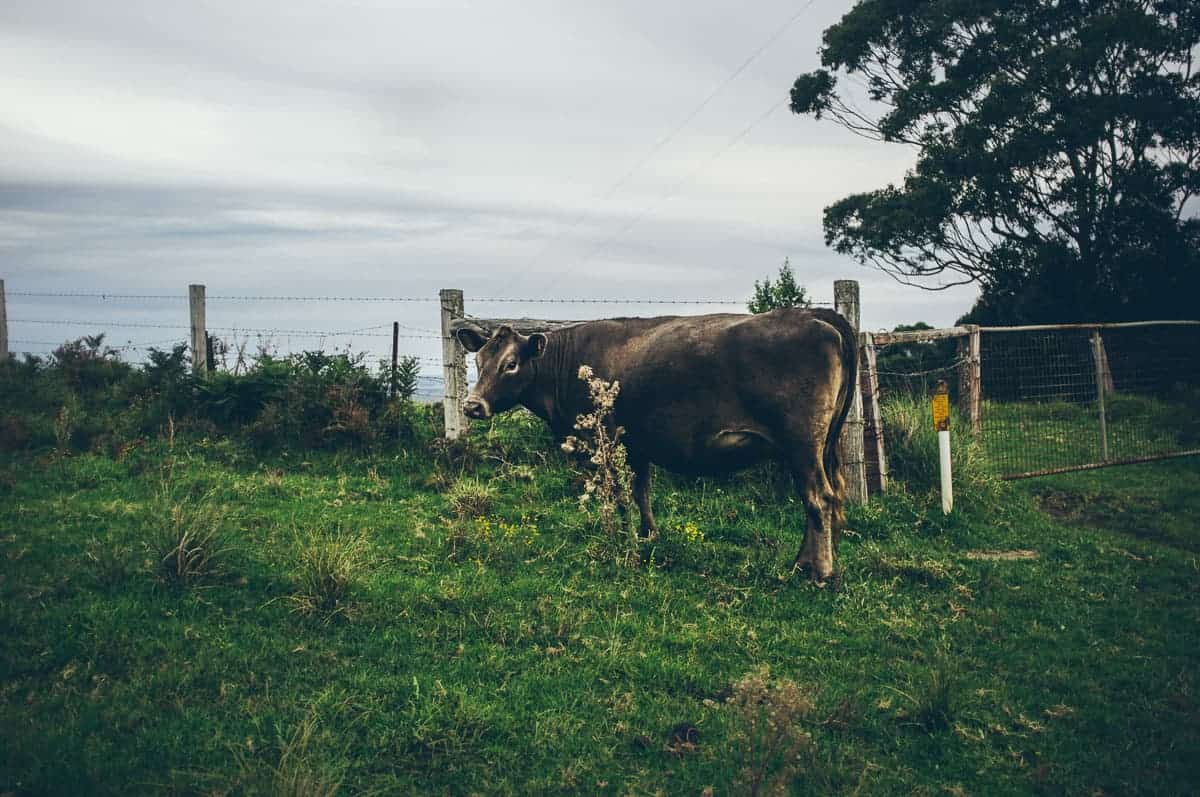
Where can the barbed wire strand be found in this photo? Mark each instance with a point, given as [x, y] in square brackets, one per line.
[490, 299]
[361, 332]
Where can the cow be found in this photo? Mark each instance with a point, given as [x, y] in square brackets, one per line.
[699, 395]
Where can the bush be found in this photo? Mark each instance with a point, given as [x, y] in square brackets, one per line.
[313, 399]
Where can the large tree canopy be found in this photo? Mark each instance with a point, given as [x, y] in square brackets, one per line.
[1058, 149]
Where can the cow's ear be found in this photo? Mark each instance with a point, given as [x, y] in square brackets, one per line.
[536, 346]
[471, 339]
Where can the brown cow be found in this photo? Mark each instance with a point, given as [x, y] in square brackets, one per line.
[699, 395]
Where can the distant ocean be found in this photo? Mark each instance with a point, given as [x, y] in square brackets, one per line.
[429, 389]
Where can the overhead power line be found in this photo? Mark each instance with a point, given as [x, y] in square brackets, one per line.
[662, 143]
[637, 218]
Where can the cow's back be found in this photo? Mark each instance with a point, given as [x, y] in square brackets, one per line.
[712, 393]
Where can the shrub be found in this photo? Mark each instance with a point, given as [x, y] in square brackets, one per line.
[404, 384]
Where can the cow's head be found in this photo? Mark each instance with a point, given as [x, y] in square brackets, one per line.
[502, 361]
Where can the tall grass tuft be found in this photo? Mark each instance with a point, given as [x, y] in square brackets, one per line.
[931, 697]
[191, 540]
[298, 774]
[327, 566]
[302, 771]
[912, 449]
[471, 498]
[108, 563]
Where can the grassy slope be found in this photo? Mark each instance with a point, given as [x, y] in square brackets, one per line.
[464, 665]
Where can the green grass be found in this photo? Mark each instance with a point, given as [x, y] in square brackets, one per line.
[439, 653]
[1026, 437]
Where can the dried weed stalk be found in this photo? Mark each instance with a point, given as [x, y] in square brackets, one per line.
[773, 741]
[610, 486]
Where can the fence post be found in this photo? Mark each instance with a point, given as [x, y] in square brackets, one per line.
[1101, 362]
[454, 365]
[970, 375]
[846, 302]
[199, 330]
[395, 356]
[3, 324]
[873, 442]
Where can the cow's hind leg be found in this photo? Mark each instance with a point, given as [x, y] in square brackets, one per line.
[821, 506]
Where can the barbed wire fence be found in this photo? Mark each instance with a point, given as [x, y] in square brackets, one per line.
[134, 323]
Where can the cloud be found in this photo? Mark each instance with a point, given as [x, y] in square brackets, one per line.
[305, 147]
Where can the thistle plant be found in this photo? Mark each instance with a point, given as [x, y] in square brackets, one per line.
[609, 487]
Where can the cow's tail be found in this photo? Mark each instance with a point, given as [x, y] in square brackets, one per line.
[845, 399]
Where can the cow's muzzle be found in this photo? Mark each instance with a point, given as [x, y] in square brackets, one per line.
[476, 408]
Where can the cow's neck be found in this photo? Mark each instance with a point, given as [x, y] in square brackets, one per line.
[549, 394]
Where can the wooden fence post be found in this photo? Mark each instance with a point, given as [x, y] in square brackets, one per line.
[199, 330]
[969, 375]
[1101, 363]
[3, 324]
[873, 447]
[454, 365]
[846, 302]
[395, 356]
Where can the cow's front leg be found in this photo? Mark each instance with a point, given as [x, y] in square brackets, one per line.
[641, 495]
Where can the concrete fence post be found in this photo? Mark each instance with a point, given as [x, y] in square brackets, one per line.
[199, 328]
[846, 302]
[454, 365]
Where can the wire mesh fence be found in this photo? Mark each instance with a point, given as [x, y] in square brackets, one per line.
[1075, 398]
[1053, 398]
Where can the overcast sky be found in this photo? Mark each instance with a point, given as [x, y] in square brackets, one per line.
[394, 148]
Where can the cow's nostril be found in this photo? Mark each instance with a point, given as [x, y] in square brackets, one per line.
[473, 408]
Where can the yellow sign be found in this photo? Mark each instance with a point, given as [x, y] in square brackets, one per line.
[941, 407]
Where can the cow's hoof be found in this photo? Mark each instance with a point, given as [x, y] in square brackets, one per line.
[834, 582]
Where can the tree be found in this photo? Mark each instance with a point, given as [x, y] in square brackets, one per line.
[784, 292]
[1058, 146]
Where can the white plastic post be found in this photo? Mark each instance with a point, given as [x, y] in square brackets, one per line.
[944, 466]
[941, 422]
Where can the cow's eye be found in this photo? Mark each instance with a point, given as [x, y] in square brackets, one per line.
[511, 365]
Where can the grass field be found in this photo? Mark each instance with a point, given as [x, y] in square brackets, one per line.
[1026, 437]
[448, 622]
